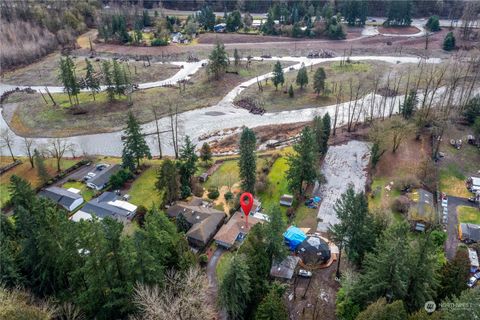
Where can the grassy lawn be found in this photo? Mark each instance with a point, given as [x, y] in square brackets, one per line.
[381, 197]
[273, 100]
[468, 215]
[87, 193]
[306, 217]
[276, 185]
[222, 266]
[452, 181]
[26, 172]
[104, 116]
[226, 175]
[143, 190]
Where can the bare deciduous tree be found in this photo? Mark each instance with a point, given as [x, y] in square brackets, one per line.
[184, 296]
[57, 148]
[29, 147]
[7, 139]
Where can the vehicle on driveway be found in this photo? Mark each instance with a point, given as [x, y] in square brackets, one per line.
[304, 273]
[471, 282]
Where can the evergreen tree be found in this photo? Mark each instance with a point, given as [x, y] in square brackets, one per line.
[218, 61]
[234, 291]
[182, 224]
[91, 81]
[302, 163]
[118, 78]
[234, 21]
[134, 146]
[108, 79]
[408, 106]
[319, 133]
[472, 109]
[272, 306]
[205, 152]
[41, 169]
[319, 81]
[187, 166]
[468, 298]
[236, 57]
[291, 93]
[326, 131]
[302, 77]
[355, 12]
[449, 42]
[10, 273]
[381, 310]
[433, 23]
[355, 229]
[206, 18]
[277, 77]
[274, 229]
[269, 26]
[167, 182]
[68, 78]
[385, 270]
[399, 13]
[247, 162]
[454, 275]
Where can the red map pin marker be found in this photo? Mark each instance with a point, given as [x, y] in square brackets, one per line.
[246, 206]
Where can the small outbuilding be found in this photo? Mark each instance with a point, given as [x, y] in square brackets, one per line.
[286, 200]
[285, 269]
[203, 177]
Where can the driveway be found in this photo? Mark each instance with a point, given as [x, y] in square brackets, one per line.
[452, 224]
[212, 280]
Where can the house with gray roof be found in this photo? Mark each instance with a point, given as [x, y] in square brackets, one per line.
[204, 221]
[108, 204]
[63, 197]
[469, 232]
[101, 178]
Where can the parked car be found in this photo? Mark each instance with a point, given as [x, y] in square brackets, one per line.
[444, 203]
[89, 176]
[471, 282]
[101, 166]
[304, 273]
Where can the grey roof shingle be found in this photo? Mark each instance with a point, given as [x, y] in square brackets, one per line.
[103, 176]
[60, 196]
[101, 208]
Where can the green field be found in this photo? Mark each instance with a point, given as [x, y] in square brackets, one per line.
[143, 190]
[468, 215]
[226, 175]
[276, 184]
[452, 181]
[222, 265]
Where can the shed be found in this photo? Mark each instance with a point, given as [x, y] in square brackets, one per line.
[286, 200]
[424, 208]
[294, 236]
[472, 255]
[203, 177]
[285, 269]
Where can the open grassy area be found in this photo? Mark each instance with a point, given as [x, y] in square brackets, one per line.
[222, 265]
[276, 184]
[381, 198]
[143, 190]
[26, 172]
[226, 175]
[452, 181]
[36, 118]
[87, 193]
[273, 100]
[46, 71]
[468, 215]
[306, 218]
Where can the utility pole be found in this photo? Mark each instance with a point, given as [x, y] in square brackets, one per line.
[337, 274]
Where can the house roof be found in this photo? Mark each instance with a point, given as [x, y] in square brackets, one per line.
[470, 231]
[103, 176]
[107, 204]
[313, 250]
[237, 224]
[205, 229]
[285, 268]
[60, 196]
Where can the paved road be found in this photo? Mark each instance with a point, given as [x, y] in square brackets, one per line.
[212, 279]
[452, 224]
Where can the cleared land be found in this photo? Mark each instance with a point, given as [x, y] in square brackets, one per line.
[25, 171]
[104, 116]
[338, 79]
[46, 71]
[143, 191]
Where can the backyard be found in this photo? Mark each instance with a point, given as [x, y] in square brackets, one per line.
[143, 191]
[86, 192]
[25, 171]
[468, 215]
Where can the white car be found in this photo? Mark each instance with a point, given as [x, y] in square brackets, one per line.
[471, 282]
[304, 273]
[444, 203]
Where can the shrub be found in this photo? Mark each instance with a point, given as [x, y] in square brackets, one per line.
[159, 42]
[197, 189]
[406, 182]
[213, 193]
[118, 179]
[228, 196]
[433, 23]
[203, 259]
[401, 204]
[290, 92]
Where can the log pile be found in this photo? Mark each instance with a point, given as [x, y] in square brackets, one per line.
[249, 105]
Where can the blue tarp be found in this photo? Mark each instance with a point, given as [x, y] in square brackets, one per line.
[294, 236]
